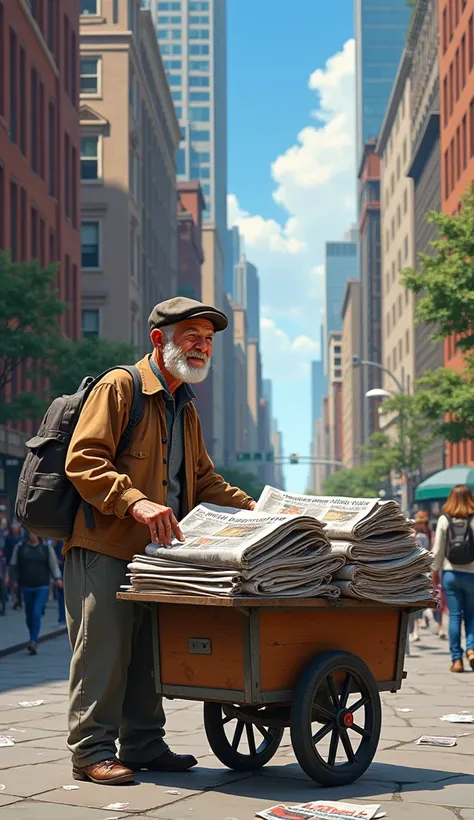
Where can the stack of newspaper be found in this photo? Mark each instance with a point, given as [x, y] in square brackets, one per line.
[383, 561]
[241, 554]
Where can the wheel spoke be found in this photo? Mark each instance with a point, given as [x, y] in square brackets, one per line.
[333, 690]
[363, 701]
[325, 712]
[227, 720]
[345, 690]
[333, 747]
[237, 735]
[347, 745]
[360, 730]
[264, 732]
[251, 738]
[322, 732]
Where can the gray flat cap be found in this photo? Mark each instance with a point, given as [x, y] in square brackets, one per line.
[181, 308]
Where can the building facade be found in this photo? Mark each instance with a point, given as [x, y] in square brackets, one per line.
[380, 33]
[426, 174]
[190, 254]
[129, 136]
[341, 263]
[39, 170]
[456, 62]
[246, 292]
[370, 271]
[351, 381]
[240, 379]
[335, 400]
[397, 231]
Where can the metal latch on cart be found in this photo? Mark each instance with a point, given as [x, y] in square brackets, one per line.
[200, 646]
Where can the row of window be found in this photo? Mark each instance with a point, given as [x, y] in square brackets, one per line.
[400, 116]
[451, 17]
[194, 5]
[390, 234]
[456, 155]
[177, 34]
[396, 269]
[395, 314]
[455, 80]
[194, 49]
[194, 20]
[397, 355]
[196, 81]
[396, 175]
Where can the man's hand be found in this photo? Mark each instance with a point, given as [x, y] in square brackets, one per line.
[252, 505]
[160, 521]
[59, 583]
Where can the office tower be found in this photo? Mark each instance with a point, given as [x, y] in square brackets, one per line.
[192, 39]
[128, 179]
[246, 291]
[351, 376]
[318, 390]
[335, 399]
[232, 256]
[369, 231]
[341, 263]
[425, 171]
[380, 34]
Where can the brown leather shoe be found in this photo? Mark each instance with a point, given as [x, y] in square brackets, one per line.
[470, 657]
[167, 762]
[107, 772]
[457, 666]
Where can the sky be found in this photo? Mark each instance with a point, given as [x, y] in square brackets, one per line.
[292, 179]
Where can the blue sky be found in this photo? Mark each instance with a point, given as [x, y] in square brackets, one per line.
[291, 177]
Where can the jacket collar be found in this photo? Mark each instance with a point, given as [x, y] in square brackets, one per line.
[151, 383]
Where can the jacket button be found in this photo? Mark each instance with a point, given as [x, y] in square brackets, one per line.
[165, 461]
[164, 441]
[165, 483]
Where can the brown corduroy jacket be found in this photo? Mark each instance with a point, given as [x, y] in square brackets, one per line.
[112, 484]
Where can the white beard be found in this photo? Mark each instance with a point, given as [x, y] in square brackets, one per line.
[176, 363]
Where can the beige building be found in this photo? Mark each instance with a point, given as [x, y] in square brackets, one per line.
[351, 381]
[240, 370]
[253, 392]
[397, 235]
[335, 399]
[129, 136]
[212, 293]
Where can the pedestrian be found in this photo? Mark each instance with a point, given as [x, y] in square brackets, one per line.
[58, 551]
[13, 538]
[454, 559]
[137, 496]
[32, 564]
[423, 539]
[3, 582]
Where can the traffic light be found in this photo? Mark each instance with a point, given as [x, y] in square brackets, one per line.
[294, 458]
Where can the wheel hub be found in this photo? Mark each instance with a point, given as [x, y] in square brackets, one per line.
[345, 719]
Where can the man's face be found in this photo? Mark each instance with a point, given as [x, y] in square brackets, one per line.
[187, 350]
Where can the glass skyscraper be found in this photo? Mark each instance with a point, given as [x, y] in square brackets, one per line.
[192, 40]
[341, 263]
[380, 29]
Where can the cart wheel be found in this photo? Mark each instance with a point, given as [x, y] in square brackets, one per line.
[235, 741]
[338, 690]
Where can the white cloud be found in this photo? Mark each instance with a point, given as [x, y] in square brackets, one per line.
[315, 182]
[286, 359]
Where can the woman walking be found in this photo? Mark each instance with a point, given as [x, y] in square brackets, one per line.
[32, 565]
[454, 558]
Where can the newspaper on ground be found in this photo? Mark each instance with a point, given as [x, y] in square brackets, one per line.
[433, 740]
[463, 718]
[365, 520]
[400, 580]
[6, 741]
[321, 809]
[253, 554]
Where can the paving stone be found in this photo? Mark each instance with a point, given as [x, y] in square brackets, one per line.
[36, 779]
[21, 755]
[28, 810]
[456, 792]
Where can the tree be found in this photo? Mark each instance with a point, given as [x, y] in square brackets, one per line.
[248, 482]
[445, 279]
[86, 357]
[412, 439]
[30, 331]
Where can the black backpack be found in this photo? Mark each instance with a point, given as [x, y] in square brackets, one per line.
[47, 502]
[460, 541]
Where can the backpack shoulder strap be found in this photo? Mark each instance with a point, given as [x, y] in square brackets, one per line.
[135, 416]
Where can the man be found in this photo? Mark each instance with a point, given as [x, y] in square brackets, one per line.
[13, 538]
[137, 497]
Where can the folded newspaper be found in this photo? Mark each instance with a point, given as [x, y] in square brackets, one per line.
[321, 810]
[367, 521]
[246, 553]
[401, 580]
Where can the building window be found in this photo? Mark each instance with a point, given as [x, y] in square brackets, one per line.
[196, 48]
[42, 249]
[90, 75]
[199, 114]
[74, 164]
[168, 48]
[34, 233]
[446, 163]
[73, 68]
[50, 26]
[445, 100]
[406, 247]
[166, 20]
[399, 261]
[199, 65]
[14, 222]
[203, 5]
[199, 34]
[464, 142]
[457, 74]
[90, 237]
[451, 90]
[41, 126]
[387, 324]
[89, 7]
[90, 320]
[34, 119]
[470, 43]
[23, 101]
[458, 152]
[177, 95]
[172, 65]
[52, 148]
[67, 174]
[174, 6]
[13, 86]
[393, 271]
[90, 158]
[199, 20]
[445, 30]
[452, 163]
[23, 219]
[463, 61]
[405, 201]
[66, 55]
[387, 240]
[407, 342]
[199, 136]
[175, 79]
[399, 216]
[199, 96]
[52, 247]
[398, 168]
[180, 162]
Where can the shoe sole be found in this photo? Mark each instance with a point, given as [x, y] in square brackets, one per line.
[113, 781]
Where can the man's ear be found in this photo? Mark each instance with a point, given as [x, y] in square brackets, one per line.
[156, 337]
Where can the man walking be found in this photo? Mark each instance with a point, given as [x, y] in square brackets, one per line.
[137, 496]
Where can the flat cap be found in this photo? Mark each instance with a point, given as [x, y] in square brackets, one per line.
[181, 308]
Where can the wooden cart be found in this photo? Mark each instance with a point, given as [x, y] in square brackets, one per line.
[259, 665]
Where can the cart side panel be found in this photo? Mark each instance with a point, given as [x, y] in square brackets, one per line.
[289, 640]
[223, 668]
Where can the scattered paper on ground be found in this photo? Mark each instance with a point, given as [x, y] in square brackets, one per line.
[70, 788]
[116, 806]
[404, 710]
[321, 809]
[6, 741]
[173, 791]
[432, 740]
[2, 787]
[27, 703]
[12, 729]
[458, 718]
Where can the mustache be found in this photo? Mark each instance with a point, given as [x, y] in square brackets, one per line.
[197, 354]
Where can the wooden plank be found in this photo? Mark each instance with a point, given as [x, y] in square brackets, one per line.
[254, 601]
[290, 640]
[223, 668]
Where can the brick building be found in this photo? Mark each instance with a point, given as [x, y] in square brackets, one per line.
[190, 256]
[456, 80]
[39, 161]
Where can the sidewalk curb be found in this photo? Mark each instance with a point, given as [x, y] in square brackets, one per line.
[56, 633]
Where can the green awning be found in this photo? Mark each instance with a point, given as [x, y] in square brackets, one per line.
[438, 486]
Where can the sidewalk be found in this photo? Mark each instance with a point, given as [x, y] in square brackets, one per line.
[408, 781]
[13, 631]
